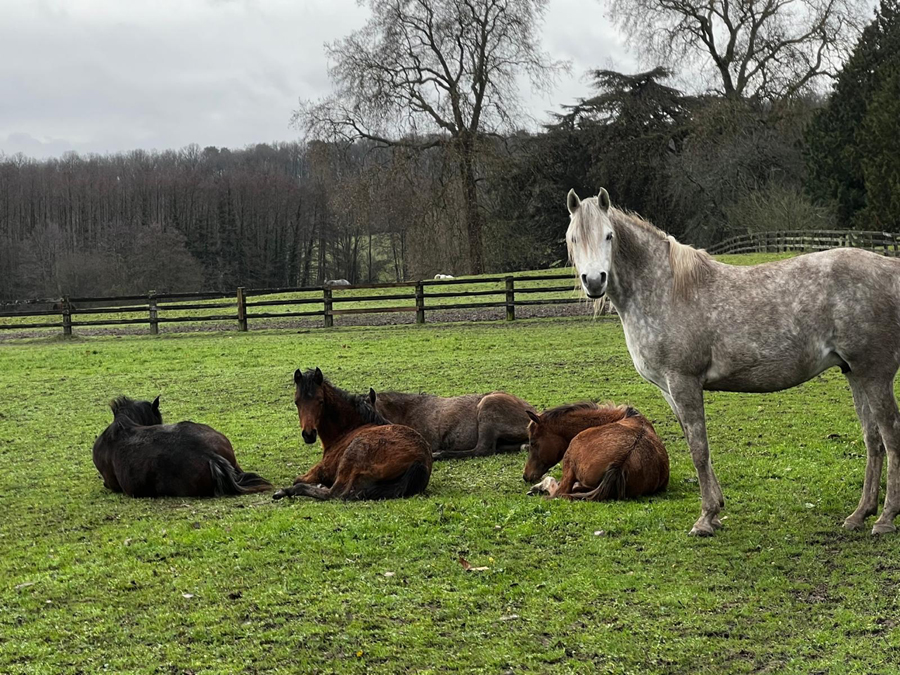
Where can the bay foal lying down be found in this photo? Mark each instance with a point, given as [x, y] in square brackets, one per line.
[608, 452]
[473, 425]
[139, 455]
[363, 455]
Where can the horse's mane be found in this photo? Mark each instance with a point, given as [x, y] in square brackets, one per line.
[360, 404]
[562, 410]
[689, 265]
[137, 412]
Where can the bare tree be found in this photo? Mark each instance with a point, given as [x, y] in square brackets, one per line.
[765, 49]
[427, 73]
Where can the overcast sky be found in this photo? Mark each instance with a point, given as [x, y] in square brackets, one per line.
[112, 75]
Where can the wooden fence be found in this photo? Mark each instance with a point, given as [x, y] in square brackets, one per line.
[885, 243]
[249, 305]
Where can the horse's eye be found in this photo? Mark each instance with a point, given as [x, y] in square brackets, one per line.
[609, 237]
[573, 240]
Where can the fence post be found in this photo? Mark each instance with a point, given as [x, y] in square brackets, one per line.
[326, 298]
[242, 309]
[154, 316]
[420, 302]
[67, 316]
[510, 299]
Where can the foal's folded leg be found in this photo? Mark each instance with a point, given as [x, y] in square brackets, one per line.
[304, 490]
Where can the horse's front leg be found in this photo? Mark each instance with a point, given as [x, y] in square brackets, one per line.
[685, 395]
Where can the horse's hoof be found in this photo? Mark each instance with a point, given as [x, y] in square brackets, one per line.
[279, 494]
[703, 529]
[884, 528]
[853, 524]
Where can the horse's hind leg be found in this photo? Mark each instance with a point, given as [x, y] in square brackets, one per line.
[868, 502]
[880, 398]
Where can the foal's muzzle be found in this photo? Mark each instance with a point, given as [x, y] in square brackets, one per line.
[594, 284]
[309, 436]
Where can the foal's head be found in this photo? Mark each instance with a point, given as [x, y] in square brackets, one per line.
[590, 241]
[317, 398]
[309, 397]
[142, 413]
[546, 446]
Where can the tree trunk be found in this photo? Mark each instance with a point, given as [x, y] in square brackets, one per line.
[470, 200]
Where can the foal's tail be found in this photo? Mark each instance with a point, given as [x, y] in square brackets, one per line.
[230, 481]
[614, 483]
[413, 481]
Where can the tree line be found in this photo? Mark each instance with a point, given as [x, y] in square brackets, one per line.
[418, 163]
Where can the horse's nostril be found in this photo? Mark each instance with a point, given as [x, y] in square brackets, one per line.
[584, 278]
[602, 277]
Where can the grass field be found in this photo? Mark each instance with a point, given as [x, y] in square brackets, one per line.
[91, 581]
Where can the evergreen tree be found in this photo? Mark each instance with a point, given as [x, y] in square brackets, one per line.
[835, 156]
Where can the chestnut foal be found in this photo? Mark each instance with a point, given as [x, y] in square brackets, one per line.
[608, 452]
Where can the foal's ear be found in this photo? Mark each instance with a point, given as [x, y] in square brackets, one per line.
[298, 376]
[572, 201]
[155, 404]
[533, 416]
[603, 199]
[372, 396]
[318, 377]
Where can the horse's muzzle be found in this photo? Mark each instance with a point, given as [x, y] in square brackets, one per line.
[309, 436]
[594, 285]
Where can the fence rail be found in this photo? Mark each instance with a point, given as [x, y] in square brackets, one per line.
[250, 305]
[886, 243]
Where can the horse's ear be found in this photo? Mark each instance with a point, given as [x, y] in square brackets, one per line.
[603, 199]
[155, 404]
[572, 201]
[318, 378]
[372, 396]
[298, 376]
[533, 416]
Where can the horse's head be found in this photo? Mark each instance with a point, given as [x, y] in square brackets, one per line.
[309, 397]
[590, 241]
[143, 413]
[545, 448]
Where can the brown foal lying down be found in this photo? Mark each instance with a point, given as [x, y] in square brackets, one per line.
[363, 455]
[608, 452]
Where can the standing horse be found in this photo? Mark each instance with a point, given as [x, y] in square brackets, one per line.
[693, 324]
[617, 460]
[139, 455]
[363, 455]
[472, 425]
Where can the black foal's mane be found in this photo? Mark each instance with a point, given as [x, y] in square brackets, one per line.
[136, 412]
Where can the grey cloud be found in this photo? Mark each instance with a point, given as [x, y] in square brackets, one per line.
[107, 75]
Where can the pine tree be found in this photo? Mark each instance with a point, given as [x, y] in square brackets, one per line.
[835, 154]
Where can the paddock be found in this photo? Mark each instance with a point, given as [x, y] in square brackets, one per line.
[93, 581]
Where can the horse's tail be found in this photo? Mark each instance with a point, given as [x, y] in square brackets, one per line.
[614, 483]
[230, 481]
[413, 481]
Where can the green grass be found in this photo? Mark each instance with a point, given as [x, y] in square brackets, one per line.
[91, 581]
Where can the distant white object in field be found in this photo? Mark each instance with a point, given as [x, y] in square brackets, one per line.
[444, 276]
[337, 282]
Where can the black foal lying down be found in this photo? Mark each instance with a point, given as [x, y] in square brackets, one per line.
[139, 455]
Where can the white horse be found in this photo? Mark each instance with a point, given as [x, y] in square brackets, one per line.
[692, 323]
